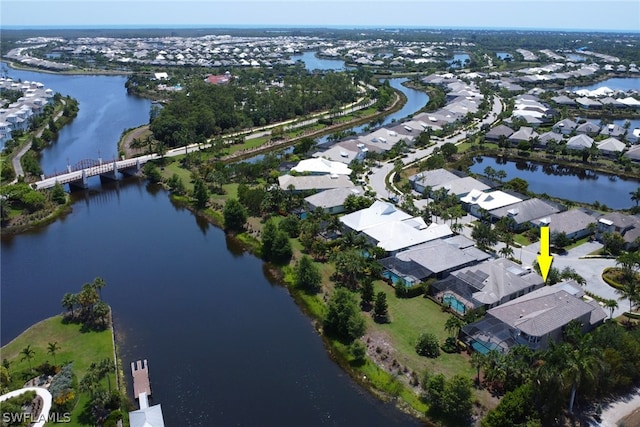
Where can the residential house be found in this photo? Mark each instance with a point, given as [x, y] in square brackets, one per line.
[611, 147]
[588, 128]
[524, 134]
[613, 130]
[588, 103]
[485, 285]
[565, 126]
[477, 202]
[434, 259]
[564, 100]
[397, 236]
[633, 135]
[525, 212]
[319, 166]
[332, 200]
[536, 319]
[575, 223]
[313, 182]
[579, 142]
[498, 133]
[627, 225]
[633, 154]
[431, 178]
[461, 186]
[378, 213]
[547, 137]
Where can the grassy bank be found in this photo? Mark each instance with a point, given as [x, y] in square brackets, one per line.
[77, 346]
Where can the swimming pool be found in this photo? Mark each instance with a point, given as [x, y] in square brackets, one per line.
[483, 347]
[451, 301]
[395, 278]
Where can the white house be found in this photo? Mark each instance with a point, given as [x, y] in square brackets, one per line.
[477, 201]
[319, 166]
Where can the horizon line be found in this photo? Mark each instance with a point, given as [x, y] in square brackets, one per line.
[307, 27]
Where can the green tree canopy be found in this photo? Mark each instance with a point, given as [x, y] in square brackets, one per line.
[343, 319]
[235, 215]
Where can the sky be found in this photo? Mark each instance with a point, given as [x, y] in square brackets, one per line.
[600, 15]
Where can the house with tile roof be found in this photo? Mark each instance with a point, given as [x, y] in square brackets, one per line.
[486, 285]
[535, 319]
[579, 142]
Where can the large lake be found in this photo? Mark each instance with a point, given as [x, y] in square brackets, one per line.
[566, 183]
[225, 345]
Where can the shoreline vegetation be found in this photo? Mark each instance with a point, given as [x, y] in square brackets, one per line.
[366, 371]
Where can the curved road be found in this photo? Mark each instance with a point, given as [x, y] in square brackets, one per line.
[43, 416]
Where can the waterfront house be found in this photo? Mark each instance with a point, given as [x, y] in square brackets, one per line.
[588, 103]
[575, 223]
[613, 130]
[564, 100]
[579, 142]
[332, 200]
[434, 259]
[588, 128]
[397, 236]
[535, 319]
[565, 126]
[319, 166]
[611, 147]
[526, 211]
[431, 178]
[498, 132]
[547, 137]
[633, 154]
[476, 202]
[313, 182]
[627, 225]
[524, 134]
[485, 285]
[378, 213]
[461, 186]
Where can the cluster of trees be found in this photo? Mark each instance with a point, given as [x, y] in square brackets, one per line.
[203, 110]
[104, 405]
[275, 244]
[538, 386]
[87, 306]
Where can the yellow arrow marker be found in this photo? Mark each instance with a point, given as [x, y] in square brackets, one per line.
[544, 259]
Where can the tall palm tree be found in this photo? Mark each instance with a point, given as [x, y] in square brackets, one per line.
[611, 304]
[635, 196]
[98, 284]
[581, 365]
[453, 325]
[477, 361]
[105, 368]
[52, 348]
[28, 353]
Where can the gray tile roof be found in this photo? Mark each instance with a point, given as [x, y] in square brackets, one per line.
[333, 197]
[527, 210]
[543, 311]
[568, 222]
[439, 256]
[498, 131]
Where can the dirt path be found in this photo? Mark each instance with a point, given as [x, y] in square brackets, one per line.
[125, 144]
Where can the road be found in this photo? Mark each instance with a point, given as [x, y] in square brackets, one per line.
[377, 178]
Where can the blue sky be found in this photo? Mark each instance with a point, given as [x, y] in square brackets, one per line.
[623, 15]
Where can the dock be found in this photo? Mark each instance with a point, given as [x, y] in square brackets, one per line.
[140, 374]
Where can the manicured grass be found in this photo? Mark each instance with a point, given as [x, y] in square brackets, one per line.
[248, 144]
[81, 348]
[578, 243]
[521, 239]
[174, 167]
[410, 318]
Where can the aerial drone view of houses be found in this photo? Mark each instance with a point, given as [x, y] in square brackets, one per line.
[420, 246]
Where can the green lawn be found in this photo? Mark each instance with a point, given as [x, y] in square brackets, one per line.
[410, 318]
[521, 239]
[578, 243]
[81, 348]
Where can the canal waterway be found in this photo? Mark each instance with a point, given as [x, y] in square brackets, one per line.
[566, 183]
[220, 337]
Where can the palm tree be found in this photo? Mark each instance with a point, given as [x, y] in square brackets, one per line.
[52, 348]
[28, 353]
[104, 368]
[69, 300]
[611, 304]
[635, 196]
[477, 361]
[98, 284]
[581, 364]
[631, 291]
[453, 325]
[506, 251]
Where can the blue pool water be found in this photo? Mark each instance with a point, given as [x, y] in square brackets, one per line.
[452, 302]
[484, 347]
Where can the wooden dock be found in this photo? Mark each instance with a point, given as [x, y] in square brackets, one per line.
[140, 374]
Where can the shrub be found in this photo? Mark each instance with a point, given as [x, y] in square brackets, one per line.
[428, 345]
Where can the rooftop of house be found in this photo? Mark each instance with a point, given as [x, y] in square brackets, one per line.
[314, 182]
[378, 213]
[462, 186]
[321, 166]
[579, 142]
[333, 197]
[489, 201]
[442, 255]
[569, 222]
[526, 210]
[546, 310]
[394, 236]
[433, 177]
